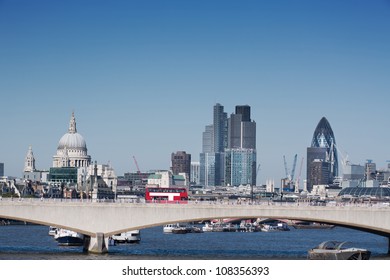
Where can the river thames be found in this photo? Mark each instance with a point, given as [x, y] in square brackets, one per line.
[32, 242]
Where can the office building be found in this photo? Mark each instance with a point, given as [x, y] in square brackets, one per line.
[322, 156]
[214, 143]
[240, 167]
[195, 170]
[181, 163]
[240, 162]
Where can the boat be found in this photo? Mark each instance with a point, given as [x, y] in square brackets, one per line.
[195, 229]
[335, 250]
[212, 227]
[111, 241]
[274, 227]
[207, 227]
[181, 230]
[311, 225]
[66, 237]
[132, 236]
[52, 231]
[169, 228]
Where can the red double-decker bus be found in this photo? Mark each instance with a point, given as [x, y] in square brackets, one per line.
[166, 195]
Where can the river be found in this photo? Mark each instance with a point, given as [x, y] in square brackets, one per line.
[32, 242]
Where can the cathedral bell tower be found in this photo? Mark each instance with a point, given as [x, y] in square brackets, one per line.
[29, 162]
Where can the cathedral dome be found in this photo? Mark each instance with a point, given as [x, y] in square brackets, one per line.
[72, 140]
[71, 149]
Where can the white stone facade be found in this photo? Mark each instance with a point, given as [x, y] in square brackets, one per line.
[72, 149]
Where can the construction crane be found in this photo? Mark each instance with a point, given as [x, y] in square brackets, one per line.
[285, 166]
[293, 169]
[257, 171]
[289, 182]
[299, 177]
[290, 176]
[136, 164]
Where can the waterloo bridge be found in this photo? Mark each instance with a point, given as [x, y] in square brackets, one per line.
[99, 221]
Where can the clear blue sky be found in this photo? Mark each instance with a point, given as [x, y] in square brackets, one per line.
[143, 76]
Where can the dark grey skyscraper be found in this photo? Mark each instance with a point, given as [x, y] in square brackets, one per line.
[240, 156]
[323, 148]
[244, 111]
[241, 130]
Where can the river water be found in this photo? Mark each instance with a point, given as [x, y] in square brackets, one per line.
[32, 242]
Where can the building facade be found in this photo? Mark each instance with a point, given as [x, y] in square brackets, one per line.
[195, 173]
[181, 163]
[240, 167]
[1, 169]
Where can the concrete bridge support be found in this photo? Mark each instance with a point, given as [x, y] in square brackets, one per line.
[97, 244]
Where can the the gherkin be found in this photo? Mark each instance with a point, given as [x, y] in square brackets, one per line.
[323, 137]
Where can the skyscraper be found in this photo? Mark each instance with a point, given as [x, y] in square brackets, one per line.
[240, 167]
[229, 148]
[213, 146]
[241, 129]
[240, 163]
[323, 149]
[220, 129]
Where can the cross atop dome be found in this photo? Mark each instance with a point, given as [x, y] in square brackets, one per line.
[72, 124]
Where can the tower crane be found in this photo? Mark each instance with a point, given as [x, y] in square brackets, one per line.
[136, 164]
[293, 169]
[299, 177]
[290, 176]
[285, 166]
[257, 171]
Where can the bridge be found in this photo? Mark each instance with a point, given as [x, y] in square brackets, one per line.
[99, 221]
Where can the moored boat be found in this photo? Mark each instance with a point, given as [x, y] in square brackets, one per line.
[169, 228]
[275, 227]
[311, 225]
[132, 236]
[52, 231]
[66, 237]
[335, 250]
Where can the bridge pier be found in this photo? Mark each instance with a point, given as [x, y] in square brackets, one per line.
[97, 245]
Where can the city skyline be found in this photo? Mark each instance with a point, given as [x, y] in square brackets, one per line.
[142, 77]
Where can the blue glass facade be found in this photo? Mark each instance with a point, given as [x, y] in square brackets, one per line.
[240, 167]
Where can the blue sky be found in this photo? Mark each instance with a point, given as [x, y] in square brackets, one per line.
[142, 77]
